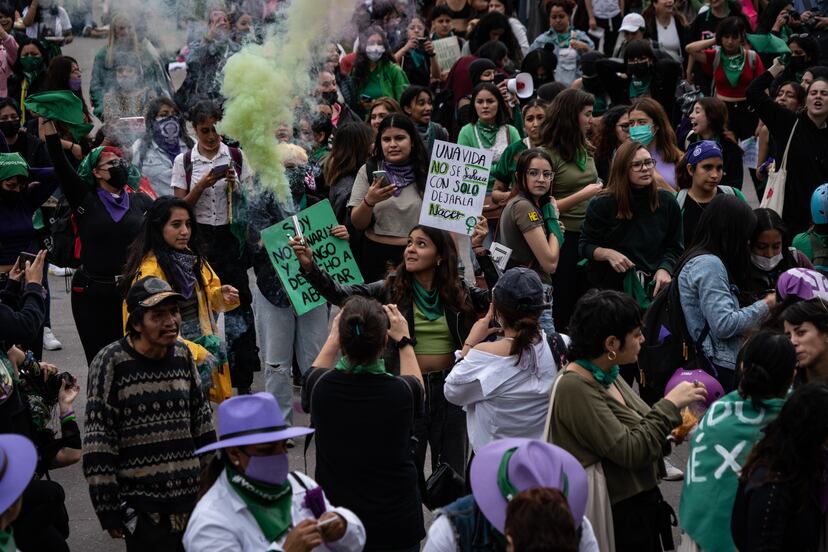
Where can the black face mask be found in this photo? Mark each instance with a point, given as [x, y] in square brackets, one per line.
[8, 196]
[118, 175]
[638, 70]
[329, 98]
[9, 128]
[798, 63]
[593, 84]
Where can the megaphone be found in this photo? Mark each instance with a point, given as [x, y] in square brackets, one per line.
[521, 86]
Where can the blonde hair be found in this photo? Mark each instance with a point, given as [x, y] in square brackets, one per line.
[292, 152]
[110, 45]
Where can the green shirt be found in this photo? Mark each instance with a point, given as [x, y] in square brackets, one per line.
[802, 242]
[569, 179]
[504, 169]
[386, 80]
[629, 440]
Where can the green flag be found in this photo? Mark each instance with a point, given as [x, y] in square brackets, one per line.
[63, 106]
[768, 44]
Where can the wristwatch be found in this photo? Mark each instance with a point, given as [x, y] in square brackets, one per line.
[405, 342]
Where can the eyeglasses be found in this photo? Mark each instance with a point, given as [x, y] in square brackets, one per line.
[642, 165]
[540, 175]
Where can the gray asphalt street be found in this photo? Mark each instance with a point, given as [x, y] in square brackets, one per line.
[86, 532]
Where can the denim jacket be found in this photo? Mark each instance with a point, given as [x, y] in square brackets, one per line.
[707, 295]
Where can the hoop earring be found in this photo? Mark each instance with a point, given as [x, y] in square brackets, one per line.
[612, 355]
[438, 262]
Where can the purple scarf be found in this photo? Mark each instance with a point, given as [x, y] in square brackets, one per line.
[399, 175]
[183, 266]
[115, 206]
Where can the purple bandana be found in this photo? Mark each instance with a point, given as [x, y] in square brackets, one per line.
[115, 206]
[399, 175]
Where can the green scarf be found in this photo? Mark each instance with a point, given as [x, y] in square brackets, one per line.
[12, 164]
[486, 134]
[427, 301]
[90, 162]
[63, 106]
[639, 87]
[562, 39]
[632, 287]
[32, 67]
[271, 505]
[418, 58]
[550, 220]
[604, 378]
[375, 368]
[581, 158]
[733, 65]
[7, 541]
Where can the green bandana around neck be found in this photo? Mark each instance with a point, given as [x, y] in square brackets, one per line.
[733, 66]
[486, 134]
[376, 368]
[563, 38]
[427, 301]
[604, 378]
[639, 87]
[32, 67]
[12, 164]
[63, 106]
[90, 162]
[270, 505]
[7, 543]
[581, 158]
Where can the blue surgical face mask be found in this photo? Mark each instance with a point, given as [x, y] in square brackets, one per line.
[272, 469]
[643, 134]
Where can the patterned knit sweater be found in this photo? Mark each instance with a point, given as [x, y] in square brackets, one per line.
[144, 420]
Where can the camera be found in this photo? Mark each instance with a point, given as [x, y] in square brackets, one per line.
[31, 378]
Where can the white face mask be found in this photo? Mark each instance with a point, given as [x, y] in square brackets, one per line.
[765, 263]
[374, 53]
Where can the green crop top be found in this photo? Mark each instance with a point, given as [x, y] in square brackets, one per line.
[433, 336]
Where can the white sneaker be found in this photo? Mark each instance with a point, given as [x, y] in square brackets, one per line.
[673, 473]
[50, 342]
[60, 271]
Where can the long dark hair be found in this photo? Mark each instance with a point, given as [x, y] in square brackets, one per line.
[791, 450]
[482, 33]
[446, 277]
[619, 186]
[362, 64]
[715, 110]
[665, 136]
[149, 126]
[724, 229]
[768, 219]
[561, 129]
[607, 141]
[419, 153]
[766, 364]
[349, 151]
[503, 110]
[523, 162]
[151, 240]
[57, 78]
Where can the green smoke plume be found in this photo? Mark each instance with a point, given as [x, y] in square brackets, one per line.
[261, 82]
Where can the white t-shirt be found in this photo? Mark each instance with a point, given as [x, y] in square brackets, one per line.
[501, 399]
[668, 39]
[51, 25]
[605, 9]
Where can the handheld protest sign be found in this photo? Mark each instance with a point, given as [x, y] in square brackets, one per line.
[456, 187]
[331, 254]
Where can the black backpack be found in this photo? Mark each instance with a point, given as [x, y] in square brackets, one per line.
[668, 344]
[63, 243]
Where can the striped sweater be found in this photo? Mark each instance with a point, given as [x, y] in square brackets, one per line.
[144, 420]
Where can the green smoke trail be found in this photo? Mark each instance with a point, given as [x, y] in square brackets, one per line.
[261, 82]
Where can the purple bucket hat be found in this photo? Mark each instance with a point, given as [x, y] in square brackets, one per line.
[803, 283]
[532, 464]
[18, 459]
[251, 420]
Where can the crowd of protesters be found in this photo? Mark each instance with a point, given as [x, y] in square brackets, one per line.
[531, 403]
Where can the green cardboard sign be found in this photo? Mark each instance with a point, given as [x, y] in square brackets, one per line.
[331, 254]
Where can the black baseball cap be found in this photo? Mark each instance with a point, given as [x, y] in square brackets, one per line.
[149, 292]
[522, 289]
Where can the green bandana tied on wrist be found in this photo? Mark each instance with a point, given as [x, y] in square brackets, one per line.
[581, 158]
[639, 87]
[376, 368]
[427, 301]
[63, 106]
[733, 66]
[90, 162]
[271, 505]
[604, 378]
[486, 134]
[550, 220]
[12, 164]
